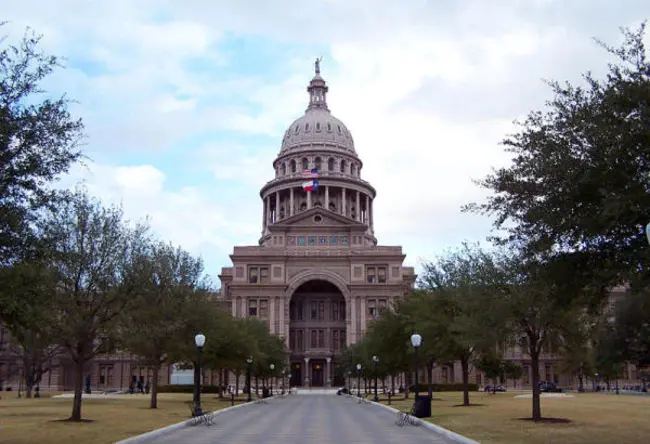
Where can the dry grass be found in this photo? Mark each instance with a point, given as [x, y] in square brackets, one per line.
[27, 421]
[595, 418]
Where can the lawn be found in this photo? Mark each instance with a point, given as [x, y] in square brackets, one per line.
[595, 418]
[27, 421]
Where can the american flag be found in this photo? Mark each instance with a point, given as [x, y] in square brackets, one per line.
[310, 173]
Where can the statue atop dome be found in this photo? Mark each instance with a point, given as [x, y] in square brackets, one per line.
[317, 64]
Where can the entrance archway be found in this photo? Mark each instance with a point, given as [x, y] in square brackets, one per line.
[317, 332]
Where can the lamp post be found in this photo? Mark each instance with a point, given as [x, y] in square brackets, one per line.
[375, 361]
[249, 362]
[416, 341]
[199, 340]
[359, 380]
[350, 381]
[272, 367]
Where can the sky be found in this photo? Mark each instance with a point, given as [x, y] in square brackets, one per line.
[185, 103]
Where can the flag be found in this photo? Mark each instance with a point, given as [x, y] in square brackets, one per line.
[310, 173]
[312, 185]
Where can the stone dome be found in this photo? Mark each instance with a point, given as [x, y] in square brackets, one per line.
[318, 128]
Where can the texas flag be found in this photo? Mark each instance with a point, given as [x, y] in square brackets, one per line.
[312, 185]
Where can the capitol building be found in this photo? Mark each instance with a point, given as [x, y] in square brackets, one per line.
[318, 274]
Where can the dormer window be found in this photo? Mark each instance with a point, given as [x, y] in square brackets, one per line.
[329, 126]
[339, 126]
[306, 126]
[317, 126]
[297, 129]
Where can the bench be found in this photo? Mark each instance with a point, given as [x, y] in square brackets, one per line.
[204, 418]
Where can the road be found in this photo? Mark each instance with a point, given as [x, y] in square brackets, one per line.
[300, 419]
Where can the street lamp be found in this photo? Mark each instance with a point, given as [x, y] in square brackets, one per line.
[375, 360]
[199, 340]
[359, 380]
[272, 367]
[416, 341]
[249, 362]
[350, 381]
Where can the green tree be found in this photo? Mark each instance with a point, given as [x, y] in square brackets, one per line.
[631, 329]
[39, 141]
[466, 285]
[512, 370]
[492, 366]
[168, 284]
[90, 248]
[579, 182]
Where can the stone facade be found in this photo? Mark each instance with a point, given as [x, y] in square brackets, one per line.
[317, 275]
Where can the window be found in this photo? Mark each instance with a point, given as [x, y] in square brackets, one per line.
[321, 338]
[382, 304]
[335, 339]
[335, 311]
[317, 163]
[292, 340]
[284, 169]
[300, 340]
[264, 309]
[376, 275]
[258, 274]
[314, 339]
[342, 339]
[252, 307]
[329, 126]
[330, 164]
[352, 169]
[305, 163]
[295, 311]
[343, 166]
[293, 166]
[306, 126]
[317, 126]
[372, 308]
[321, 310]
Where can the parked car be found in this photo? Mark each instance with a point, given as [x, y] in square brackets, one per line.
[498, 388]
[342, 391]
[549, 387]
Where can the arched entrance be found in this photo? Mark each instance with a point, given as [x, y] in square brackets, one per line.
[317, 333]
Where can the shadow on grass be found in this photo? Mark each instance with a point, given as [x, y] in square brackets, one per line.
[74, 421]
[548, 420]
[469, 405]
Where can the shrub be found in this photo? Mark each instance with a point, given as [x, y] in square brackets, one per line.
[456, 387]
[188, 388]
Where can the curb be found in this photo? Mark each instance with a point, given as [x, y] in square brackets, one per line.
[434, 428]
[144, 437]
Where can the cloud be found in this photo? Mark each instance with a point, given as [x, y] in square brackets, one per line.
[186, 103]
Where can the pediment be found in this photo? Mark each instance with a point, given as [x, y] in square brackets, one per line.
[317, 217]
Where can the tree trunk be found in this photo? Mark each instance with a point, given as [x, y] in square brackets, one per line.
[154, 389]
[220, 383]
[78, 390]
[581, 387]
[392, 383]
[407, 385]
[464, 366]
[237, 375]
[430, 379]
[537, 408]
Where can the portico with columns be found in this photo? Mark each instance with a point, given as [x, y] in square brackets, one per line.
[317, 274]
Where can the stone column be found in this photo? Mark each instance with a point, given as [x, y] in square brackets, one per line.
[367, 220]
[268, 210]
[353, 320]
[372, 222]
[234, 308]
[272, 314]
[327, 197]
[343, 203]
[363, 315]
[308, 200]
[277, 206]
[243, 308]
[291, 201]
[358, 206]
[281, 328]
[329, 372]
[264, 215]
[307, 372]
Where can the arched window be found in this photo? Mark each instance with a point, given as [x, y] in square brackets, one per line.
[306, 126]
[317, 163]
[343, 166]
[293, 166]
[352, 169]
[318, 204]
[317, 126]
[305, 163]
[330, 164]
[329, 126]
[303, 206]
[284, 168]
[332, 206]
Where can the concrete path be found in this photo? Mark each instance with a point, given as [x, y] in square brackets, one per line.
[305, 419]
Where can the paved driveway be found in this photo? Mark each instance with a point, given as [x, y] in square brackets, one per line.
[315, 419]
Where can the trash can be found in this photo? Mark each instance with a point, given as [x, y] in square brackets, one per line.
[422, 408]
[266, 394]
